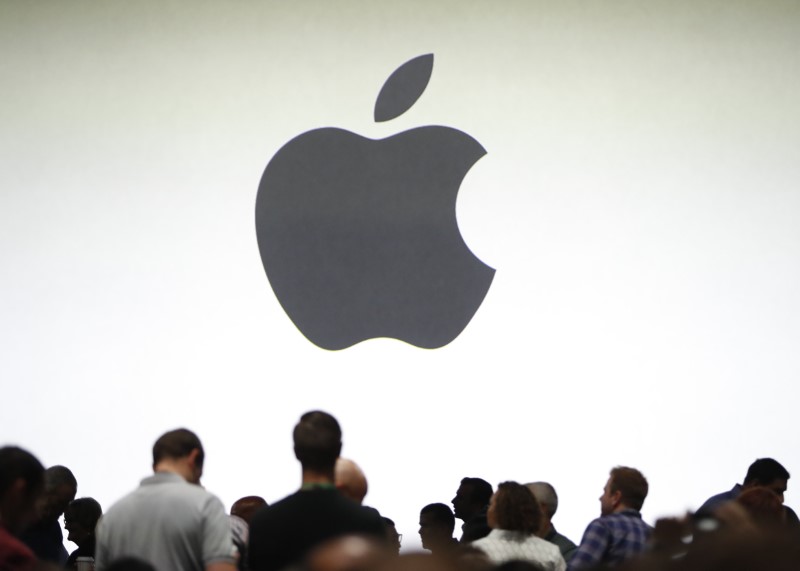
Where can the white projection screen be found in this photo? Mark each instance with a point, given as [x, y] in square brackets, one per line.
[638, 200]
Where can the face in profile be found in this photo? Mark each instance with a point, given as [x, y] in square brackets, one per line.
[77, 532]
[607, 500]
[461, 502]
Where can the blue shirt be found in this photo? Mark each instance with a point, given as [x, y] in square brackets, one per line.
[611, 539]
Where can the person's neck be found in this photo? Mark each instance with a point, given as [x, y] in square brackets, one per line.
[317, 477]
[166, 466]
[622, 508]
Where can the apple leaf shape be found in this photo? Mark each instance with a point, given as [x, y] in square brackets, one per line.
[403, 88]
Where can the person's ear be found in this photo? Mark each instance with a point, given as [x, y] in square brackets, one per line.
[616, 498]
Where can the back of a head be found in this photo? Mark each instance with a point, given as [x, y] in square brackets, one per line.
[480, 490]
[350, 480]
[317, 441]
[546, 495]
[247, 507]
[440, 514]
[56, 476]
[86, 511]
[176, 444]
[631, 484]
[515, 509]
[765, 471]
[16, 464]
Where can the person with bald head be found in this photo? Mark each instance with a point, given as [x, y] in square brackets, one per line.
[350, 480]
[547, 498]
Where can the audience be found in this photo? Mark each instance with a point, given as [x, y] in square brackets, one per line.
[514, 518]
[21, 484]
[619, 533]
[44, 537]
[242, 512]
[470, 505]
[80, 520]
[285, 532]
[393, 539]
[764, 472]
[350, 480]
[170, 523]
[436, 525]
[546, 495]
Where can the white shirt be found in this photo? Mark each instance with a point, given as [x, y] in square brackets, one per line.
[502, 545]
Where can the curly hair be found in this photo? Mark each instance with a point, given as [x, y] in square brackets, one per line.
[516, 509]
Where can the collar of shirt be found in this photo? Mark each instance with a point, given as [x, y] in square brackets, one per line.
[162, 478]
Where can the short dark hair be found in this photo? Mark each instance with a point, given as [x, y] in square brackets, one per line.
[177, 443]
[480, 491]
[247, 507]
[631, 485]
[86, 511]
[442, 514]
[56, 476]
[317, 440]
[16, 463]
[516, 508]
[765, 471]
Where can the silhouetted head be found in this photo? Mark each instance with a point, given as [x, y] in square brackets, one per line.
[626, 488]
[472, 497]
[768, 473]
[80, 519]
[179, 451]
[247, 506]
[350, 480]
[436, 525]
[514, 508]
[317, 441]
[60, 487]
[393, 539]
[21, 484]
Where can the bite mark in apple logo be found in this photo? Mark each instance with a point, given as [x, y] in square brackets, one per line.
[359, 237]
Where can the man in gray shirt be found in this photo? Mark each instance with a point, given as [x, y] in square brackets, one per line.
[169, 521]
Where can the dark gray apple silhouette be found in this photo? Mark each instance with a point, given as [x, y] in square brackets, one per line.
[359, 237]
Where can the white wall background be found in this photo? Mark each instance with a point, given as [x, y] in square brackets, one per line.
[638, 200]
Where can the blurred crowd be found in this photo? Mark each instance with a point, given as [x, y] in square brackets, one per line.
[171, 523]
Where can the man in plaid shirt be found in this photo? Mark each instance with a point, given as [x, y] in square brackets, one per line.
[619, 533]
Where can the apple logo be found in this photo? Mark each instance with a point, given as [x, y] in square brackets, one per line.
[359, 237]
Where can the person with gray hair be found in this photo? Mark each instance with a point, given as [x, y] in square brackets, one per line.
[547, 497]
[44, 537]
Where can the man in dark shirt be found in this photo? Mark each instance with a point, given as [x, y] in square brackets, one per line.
[44, 537]
[764, 472]
[285, 532]
[470, 505]
[21, 483]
